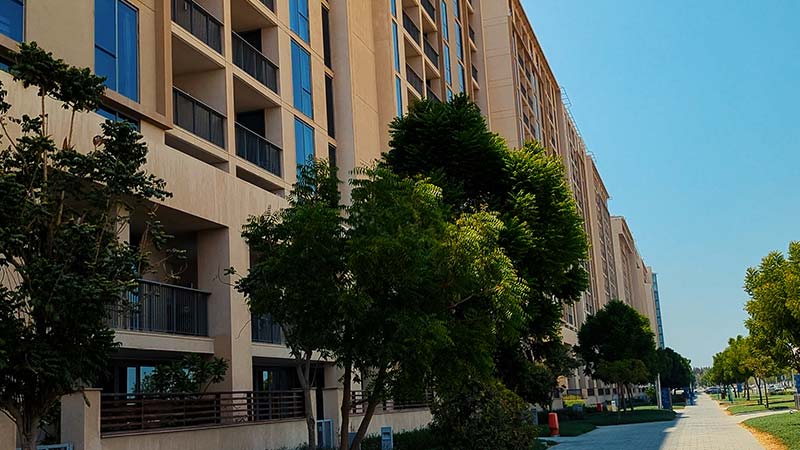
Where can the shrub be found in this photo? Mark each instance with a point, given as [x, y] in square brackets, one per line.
[485, 417]
[421, 439]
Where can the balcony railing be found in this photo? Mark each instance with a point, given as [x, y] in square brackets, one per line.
[474, 73]
[131, 413]
[358, 402]
[258, 150]
[252, 61]
[198, 118]
[266, 331]
[199, 22]
[432, 95]
[431, 52]
[411, 28]
[162, 308]
[429, 8]
[415, 80]
[471, 34]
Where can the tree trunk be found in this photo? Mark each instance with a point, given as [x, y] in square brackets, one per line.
[758, 386]
[29, 432]
[346, 400]
[630, 396]
[372, 405]
[766, 395]
[304, 374]
[747, 389]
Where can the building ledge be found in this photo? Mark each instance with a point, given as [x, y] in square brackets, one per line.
[164, 342]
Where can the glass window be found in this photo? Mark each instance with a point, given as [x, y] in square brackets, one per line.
[461, 78]
[394, 8]
[326, 37]
[298, 18]
[304, 142]
[449, 94]
[329, 106]
[301, 80]
[396, 47]
[116, 116]
[459, 43]
[116, 46]
[445, 30]
[12, 18]
[448, 75]
[398, 89]
[457, 8]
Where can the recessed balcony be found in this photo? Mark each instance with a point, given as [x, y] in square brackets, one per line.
[199, 22]
[198, 118]
[256, 64]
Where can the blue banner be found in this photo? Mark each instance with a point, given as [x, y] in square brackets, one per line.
[797, 383]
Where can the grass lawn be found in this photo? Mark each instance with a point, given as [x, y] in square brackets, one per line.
[592, 421]
[743, 406]
[784, 427]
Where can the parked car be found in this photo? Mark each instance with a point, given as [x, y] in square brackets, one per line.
[713, 390]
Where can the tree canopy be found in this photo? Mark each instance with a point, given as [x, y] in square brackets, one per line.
[675, 370]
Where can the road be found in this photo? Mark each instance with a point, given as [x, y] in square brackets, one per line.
[701, 427]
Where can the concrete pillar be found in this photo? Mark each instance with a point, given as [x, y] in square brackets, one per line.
[228, 314]
[8, 433]
[80, 419]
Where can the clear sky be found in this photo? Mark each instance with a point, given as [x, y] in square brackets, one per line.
[692, 110]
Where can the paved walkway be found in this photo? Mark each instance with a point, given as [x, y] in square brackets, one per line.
[701, 427]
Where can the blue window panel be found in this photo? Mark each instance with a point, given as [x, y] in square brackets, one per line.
[116, 46]
[128, 51]
[449, 94]
[448, 74]
[445, 30]
[105, 65]
[461, 79]
[396, 47]
[394, 8]
[116, 116]
[12, 18]
[457, 8]
[304, 142]
[105, 25]
[298, 18]
[301, 80]
[398, 88]
[459, 43]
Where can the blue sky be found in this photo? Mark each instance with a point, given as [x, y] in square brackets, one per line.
[691, 110]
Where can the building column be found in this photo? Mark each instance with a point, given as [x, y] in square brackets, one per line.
[228, 314]
[80, 419]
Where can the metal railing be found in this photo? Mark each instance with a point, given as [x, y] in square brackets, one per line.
[126, 413]
[162, 308]
[199, 22]
[258, 150]
[266, 331]
[430, 9]
[358, 403]
[431, 52]
[411, 28]
[432, 95]
[252, 61]
[198, 118]
[415, 80]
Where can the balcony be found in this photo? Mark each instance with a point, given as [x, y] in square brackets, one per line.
[411, 28]
[162, 308]
[432, 95]
[474, 73]
[471, 34]
[431, 53]
[198, 118]
[429, 9]
[192, 17]
[252, 61]
[269, 4]
[258, 150]
[266, 331]
[415, 80]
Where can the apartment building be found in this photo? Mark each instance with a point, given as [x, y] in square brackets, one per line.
[230, 95]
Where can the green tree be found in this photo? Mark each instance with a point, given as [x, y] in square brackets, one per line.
[298, 274]
[189, 375]
[675, 370]
[61, 258]
[774, 305]
[617, 346]
[543, 234]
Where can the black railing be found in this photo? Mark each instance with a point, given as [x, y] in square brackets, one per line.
[475, 73]
[198, 118]
[431, 52]
[266, 331]
[432, 95]
[162, 308]
[127, 413]
[269, 4]
[252, 61]
[358, 403]
[411, 28]
[258, 150]
[471, 34]
[199, 22]
[415, 80]
[429, 8]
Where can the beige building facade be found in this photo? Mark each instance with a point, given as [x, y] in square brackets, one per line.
[230, 95]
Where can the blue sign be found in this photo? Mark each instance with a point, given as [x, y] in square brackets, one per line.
[797, 383]
[739, 387]
[387, 439]
[666, 398]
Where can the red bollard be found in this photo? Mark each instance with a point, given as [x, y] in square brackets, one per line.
[552, 420]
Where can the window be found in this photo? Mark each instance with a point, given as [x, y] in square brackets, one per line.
[116, 46]
[448, 74]
[303, 141]
[329, 106]
[116, 116]
[461, 78]
[12, 18]
[396, 47]
[457, 8]
[459, 43]
[332, 155]
[445, 30]
[394, 7]
[298, 18]
[449, 94]
[398, 90]
[326, 37]
[301, 80]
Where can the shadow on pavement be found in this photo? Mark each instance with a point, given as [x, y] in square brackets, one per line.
[638, 436]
